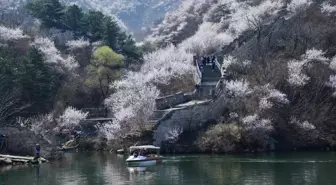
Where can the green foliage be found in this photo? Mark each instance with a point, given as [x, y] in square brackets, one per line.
[93, 25]
[111, 33]
[105, 67]
[49, 11]
[39, 82]
[72, 17]
[35, 82]
[105, 56]
[129, 48]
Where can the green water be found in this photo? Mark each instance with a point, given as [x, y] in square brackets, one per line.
[105, 168]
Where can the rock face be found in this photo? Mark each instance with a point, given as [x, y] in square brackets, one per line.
[188, 118]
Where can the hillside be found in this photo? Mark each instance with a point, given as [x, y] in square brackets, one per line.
[278, 59]
[56, 60]
[135, 16]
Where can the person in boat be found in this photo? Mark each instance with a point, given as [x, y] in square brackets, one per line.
[135, 154]
[141, 155]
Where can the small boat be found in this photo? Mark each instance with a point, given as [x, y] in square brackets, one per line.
[146, 155]
[120, 151]
[67, 148]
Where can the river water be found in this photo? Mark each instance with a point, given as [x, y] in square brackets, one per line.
[110, 169]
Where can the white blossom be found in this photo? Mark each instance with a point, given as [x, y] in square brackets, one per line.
[254, 122]
[314, 54]
[266, 123]
[332, 83]
[308, 126]
[233, 115]
[207, 39]
[238, 88]
[173, 134]
[303, 125]
[228, 60]
[250, 119]
[70, 63]
[296, 76]
[210, 36]
[48, 49]
[246, 63]
[296, 5]
[109, 129]
[134, 97]
[270, 94]
[278, 96]
[71, 117]
[131, 98]
[163, 64]
[242, 14]
[332, 64]
[200, 36]
[52, 54]
[264, 103]
[327, 8]
[40, 125]
[80, 43]
[7, 34]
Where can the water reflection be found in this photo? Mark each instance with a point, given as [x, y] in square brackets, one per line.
[110, 169]
[136, 170]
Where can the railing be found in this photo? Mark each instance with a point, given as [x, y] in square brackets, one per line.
[219, 88]
[199, 73]
[217, 64]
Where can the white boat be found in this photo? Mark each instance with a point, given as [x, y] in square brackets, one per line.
[147, 155]
[120, 151]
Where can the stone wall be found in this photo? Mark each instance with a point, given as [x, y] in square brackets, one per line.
[172, 100]
[189, 119]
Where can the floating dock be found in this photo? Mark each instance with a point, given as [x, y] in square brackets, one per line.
[12, 159]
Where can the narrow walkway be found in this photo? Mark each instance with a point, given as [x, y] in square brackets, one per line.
[210, 74]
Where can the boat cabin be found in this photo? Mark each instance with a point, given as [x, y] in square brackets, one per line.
[145, 150]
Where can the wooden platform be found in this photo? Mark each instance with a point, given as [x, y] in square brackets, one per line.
[8, 159]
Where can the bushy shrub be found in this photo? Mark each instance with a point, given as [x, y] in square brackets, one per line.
[221, 138]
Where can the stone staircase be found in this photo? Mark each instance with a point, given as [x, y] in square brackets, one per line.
[210, 77]
[208, 89]
[210, 74]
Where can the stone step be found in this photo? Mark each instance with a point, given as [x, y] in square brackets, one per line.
[208, 71]
[210, 79]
